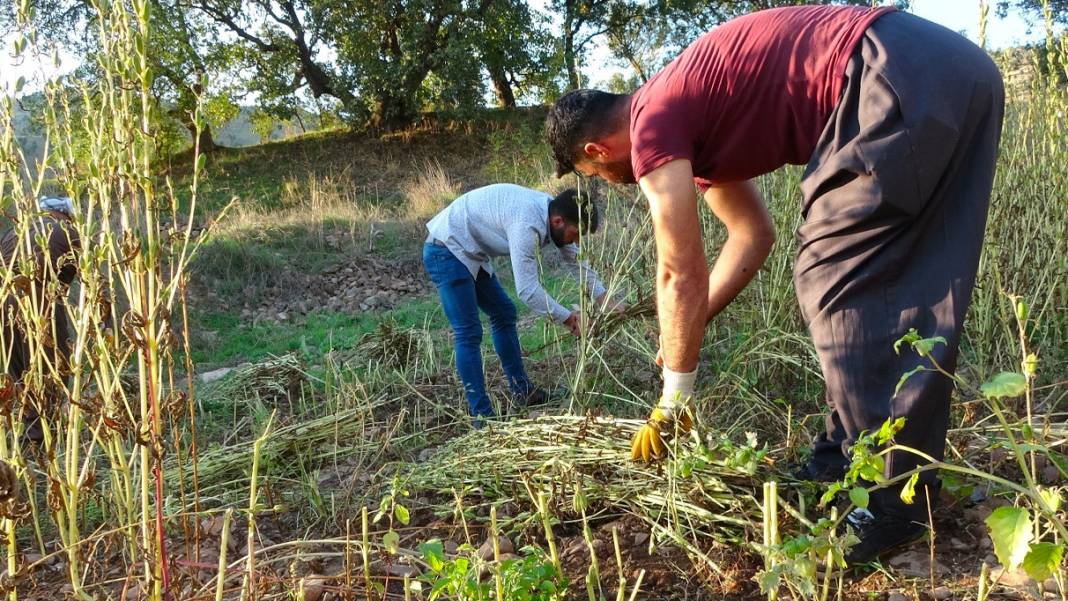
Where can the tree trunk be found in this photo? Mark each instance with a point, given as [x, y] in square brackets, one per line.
[573, 79]
[391, 112]
[637, 66]
[503, 87]
[207, 139]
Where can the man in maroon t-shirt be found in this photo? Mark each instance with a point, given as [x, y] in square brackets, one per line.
[900, 152]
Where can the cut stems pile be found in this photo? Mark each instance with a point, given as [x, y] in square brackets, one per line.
[706, 492]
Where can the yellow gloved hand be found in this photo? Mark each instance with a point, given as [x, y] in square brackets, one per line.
[667, 418]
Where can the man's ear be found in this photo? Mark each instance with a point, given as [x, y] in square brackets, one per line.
[556, 221]
[595, 150]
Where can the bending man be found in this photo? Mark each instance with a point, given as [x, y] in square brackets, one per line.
[900, 152]
[494, 221]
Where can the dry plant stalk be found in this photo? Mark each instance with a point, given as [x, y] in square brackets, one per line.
[129, 244]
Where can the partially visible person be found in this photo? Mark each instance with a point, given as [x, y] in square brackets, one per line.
[52, 263]
[495, 221]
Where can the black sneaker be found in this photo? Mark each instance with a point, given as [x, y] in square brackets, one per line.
[879, 534]
[811, 472]
[538, 396]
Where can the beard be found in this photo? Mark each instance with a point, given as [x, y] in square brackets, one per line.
[557, 234]
[620, 172]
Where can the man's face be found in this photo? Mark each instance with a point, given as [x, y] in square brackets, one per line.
[607, 158]
[563, 233]
[617, 171]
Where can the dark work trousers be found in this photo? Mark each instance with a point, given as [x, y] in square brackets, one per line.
[895, 205]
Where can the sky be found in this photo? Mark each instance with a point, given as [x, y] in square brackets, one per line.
[963, 16]
[958, 15]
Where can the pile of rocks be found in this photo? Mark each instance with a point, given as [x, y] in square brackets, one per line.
[370, 285]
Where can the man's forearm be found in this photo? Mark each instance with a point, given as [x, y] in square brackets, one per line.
[681, 268]
[737, 265]
[750, 236]
[681, 319]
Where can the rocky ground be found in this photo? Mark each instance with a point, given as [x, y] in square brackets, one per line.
[362, 285]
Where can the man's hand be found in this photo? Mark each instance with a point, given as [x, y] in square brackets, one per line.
[608, 304]
[573, 324]
[667, 419]
[616, 306]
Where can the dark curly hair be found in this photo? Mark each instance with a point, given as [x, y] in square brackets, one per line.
[577, 117]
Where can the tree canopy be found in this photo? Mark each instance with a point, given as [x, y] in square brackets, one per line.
[381, 63]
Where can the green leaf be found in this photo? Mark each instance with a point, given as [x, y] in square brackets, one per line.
[1052, 497]
[829, 495]
[1043, 560]
[873, 469]
[402, 515]
[768, 580]
[383, 509]
[686, 468]
[433, 552]
[889, 428]
[806, 582]
[1005, 384]
[1032, 448]
[793, 547]
[392, 542]
[925, 346]
[922, 346]
[1010, 529]
[859, 497]
[909, 338]
[908, 492]
[905, 376]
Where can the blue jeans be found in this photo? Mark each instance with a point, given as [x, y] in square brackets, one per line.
[462, 296]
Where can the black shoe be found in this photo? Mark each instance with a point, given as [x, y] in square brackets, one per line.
[879, 534]
[538, 396]
[811, 472]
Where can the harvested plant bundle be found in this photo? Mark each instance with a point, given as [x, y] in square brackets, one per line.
[710, 490]
[222, 471]
[274, 380]
[389, 344]
[607, 322]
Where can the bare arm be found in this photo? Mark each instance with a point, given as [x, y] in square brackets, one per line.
[681, 268]
[750, 236]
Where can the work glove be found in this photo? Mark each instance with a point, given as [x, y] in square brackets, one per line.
[668, 418]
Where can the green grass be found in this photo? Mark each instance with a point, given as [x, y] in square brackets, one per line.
[313, 335]
[235, 340]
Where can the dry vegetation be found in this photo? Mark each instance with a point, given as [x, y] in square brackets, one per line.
[353, 474]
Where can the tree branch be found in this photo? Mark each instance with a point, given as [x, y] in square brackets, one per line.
[228, 20]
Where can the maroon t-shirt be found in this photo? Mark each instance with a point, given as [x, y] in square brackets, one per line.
[749, 96]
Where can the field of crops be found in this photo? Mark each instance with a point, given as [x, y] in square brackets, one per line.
[349, 469]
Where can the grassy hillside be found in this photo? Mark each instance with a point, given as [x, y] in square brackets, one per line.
[305, 230]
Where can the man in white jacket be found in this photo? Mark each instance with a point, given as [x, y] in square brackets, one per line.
[494, 221]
